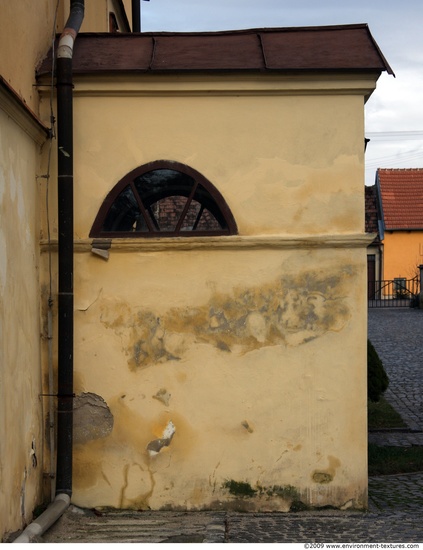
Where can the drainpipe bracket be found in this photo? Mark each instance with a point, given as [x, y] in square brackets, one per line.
[65, 48]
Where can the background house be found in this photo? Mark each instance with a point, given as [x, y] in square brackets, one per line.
[212, 356]
[375, 248]
[400, 206]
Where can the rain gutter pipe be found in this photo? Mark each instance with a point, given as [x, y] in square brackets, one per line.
[136, 15]
[64, 86]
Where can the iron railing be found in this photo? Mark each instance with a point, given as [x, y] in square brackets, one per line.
[400, 292]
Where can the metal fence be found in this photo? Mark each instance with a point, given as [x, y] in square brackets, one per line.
[400, 292]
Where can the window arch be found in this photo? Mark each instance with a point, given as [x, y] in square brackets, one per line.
[163, 199]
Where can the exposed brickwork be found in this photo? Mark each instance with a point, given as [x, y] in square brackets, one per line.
[371, 225]
[168, 211]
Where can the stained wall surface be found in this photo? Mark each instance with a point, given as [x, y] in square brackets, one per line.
[27, 29]
[26, 32]
[21, 408]
[224, 372]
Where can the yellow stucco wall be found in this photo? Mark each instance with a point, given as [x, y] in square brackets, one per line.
[280, 163]
[26, 30]
[21, 408]
[403, 252]
[249, 354]
[210, 368]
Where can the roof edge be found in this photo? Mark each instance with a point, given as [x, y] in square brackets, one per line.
[21, 113]
[369, 58]
[383, 58]
[252, 30]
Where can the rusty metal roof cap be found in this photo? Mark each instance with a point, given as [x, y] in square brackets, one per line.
[349, 48]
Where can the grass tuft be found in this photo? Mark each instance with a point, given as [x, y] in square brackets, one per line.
[394, 460]
[382, 416]
[384, 460]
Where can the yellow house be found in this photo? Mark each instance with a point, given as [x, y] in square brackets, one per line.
[400, 200]
[211, 360]
[217, 272]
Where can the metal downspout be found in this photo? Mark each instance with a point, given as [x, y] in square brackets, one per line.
[64, 85]
[136, 15]
[65, 266]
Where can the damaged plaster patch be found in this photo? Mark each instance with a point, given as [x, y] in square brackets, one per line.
[151, 342]
[155, 446]
[322, 477]
[163, 395]
[247, 426]
[290, 310]
[327, 475]
[92, 418]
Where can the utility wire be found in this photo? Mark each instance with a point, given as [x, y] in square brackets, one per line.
[399, 157]
[416, 135]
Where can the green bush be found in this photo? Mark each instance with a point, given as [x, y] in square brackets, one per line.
[377, 379]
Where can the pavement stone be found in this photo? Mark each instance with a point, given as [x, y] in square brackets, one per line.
[396, 334]
[395, 502]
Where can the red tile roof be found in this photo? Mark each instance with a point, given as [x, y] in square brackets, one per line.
[348, 48]
[401, 197]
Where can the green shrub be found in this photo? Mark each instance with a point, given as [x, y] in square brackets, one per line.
[377, 379]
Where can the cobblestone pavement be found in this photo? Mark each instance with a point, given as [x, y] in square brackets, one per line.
[394, 521]
[395, 502]
[397, 336]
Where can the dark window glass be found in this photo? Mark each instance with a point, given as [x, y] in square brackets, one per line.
[163, 201]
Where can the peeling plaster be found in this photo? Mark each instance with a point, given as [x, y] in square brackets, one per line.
[155, 446]
[247, 426]
[286, 311]
[163, 395]
[290, 311]
[327, 475]
[92, 418]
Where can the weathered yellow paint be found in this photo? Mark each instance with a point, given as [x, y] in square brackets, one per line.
[308, 158]
[23, 51]
[27, 28]
[284, 387]
[226, 362]
[402, 254]
[21, 441]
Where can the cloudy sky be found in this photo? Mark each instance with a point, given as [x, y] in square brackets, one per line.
[394, 113]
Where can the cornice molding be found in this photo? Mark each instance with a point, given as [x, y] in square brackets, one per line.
[147, 85]
[234, 242]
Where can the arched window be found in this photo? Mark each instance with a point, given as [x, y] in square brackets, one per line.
[163, 199]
